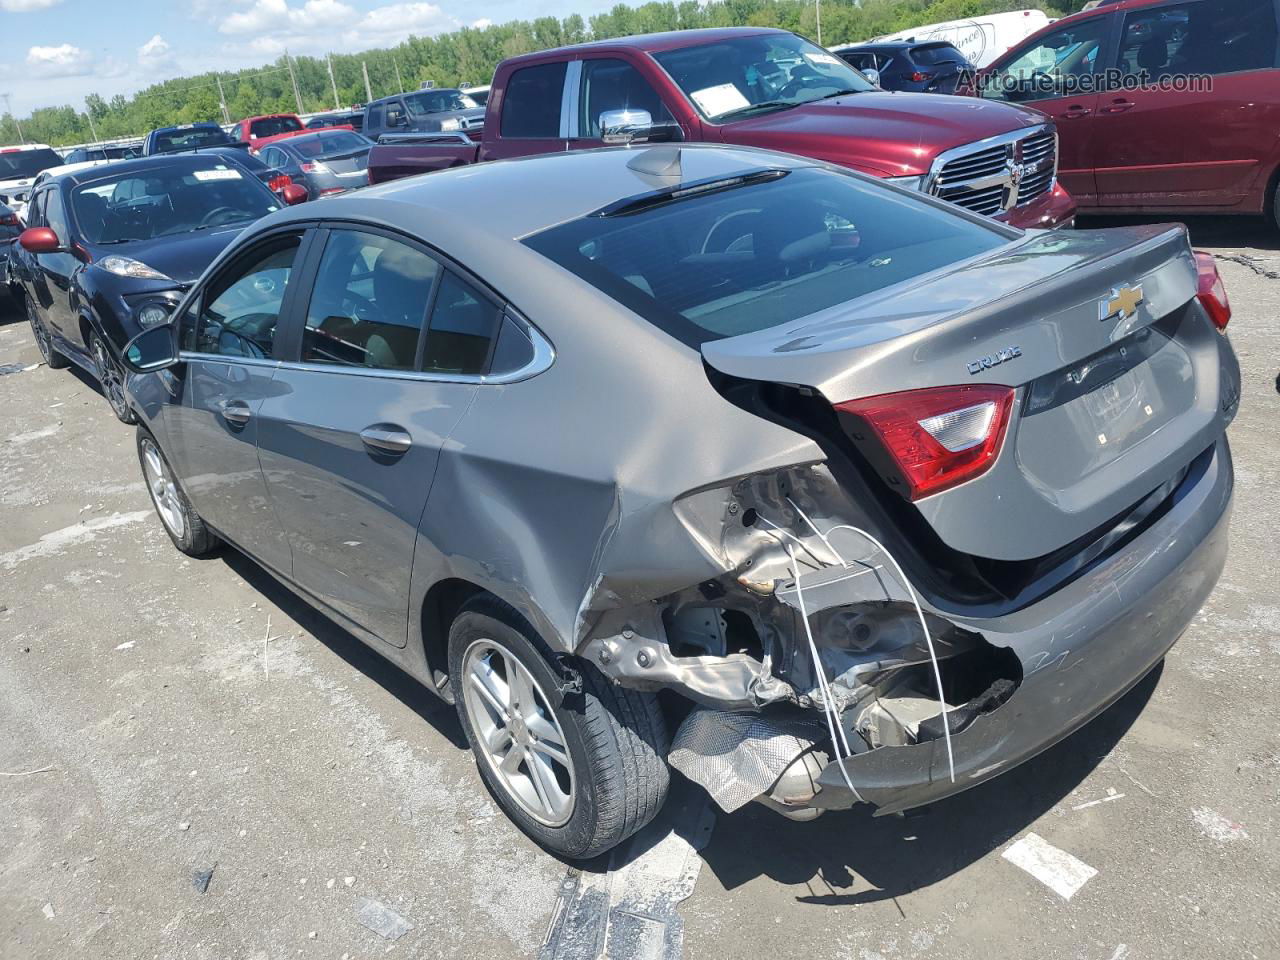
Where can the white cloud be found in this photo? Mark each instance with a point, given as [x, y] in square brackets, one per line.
[276, 17]
[24, 6]
[482, 23]
[397, 21]
[318, 25]
[63, 60]
[154, 49]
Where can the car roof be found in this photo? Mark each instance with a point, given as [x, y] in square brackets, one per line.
[554, 188]
[198, 125]
[409, 93]
[96, 170]
[20, 147]
[652, 42]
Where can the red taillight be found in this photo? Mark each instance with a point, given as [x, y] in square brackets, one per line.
[919, 77]
[279, 182]
[1212, 292]
[936, 438]
[307, 166]
[9, 220]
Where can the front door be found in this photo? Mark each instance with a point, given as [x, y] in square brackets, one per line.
[1201, 87]
[607, 84]
[350, 439]
[228, 340]
[1059, 75]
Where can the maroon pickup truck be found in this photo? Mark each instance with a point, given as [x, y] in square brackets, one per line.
[759, 88]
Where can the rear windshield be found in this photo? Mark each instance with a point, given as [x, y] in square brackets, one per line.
[936, 53]
[725, 262]
[274, 126]
[168, 141]
[20, 164]
[331, 144]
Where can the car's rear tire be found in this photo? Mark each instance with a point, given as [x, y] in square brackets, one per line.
[111, 377]
[48, 352]
[589, 768]
[180, 521]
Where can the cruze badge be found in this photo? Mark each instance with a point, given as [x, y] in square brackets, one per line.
[994, 360]
[1122, 304]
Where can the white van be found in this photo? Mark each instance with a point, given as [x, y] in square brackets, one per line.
[981, 39]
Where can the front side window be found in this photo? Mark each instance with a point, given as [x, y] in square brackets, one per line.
[733, 79]
[1208, 37]
[616, 85]
[1054, 66]
[369, 302]
[242, 306]
[531, 107]
[759, 250]
[55, 217]
[168, 201]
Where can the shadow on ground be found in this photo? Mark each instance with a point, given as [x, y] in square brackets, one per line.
[354, 652]
[1238, 232]
[849, 857]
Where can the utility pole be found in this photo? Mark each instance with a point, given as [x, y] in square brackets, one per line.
[294, 80]
[222, 100]
[332, 82]
[8, 108]
[92, 129]
[817, 10]
[399, 82]
[368, 91]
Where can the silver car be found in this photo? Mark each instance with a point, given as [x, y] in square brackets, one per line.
[882, 496]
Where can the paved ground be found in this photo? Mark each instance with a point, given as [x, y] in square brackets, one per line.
[308, 774]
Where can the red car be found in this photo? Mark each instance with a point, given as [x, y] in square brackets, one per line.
[1162, 106]
[259, 131]
[755, 87]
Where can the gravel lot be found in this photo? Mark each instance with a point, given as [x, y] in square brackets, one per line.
[151, 733]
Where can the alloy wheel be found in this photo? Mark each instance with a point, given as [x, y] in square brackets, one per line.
[111, 376]
[164, 492]
[39, 332]
[519, 736]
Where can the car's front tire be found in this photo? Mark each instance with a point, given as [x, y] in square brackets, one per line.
[577, 772]
[183, 525]
[48, 352]
[111, 378]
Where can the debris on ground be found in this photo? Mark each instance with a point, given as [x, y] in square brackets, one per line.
[381, 919]
[1217, 827]
[47, 909]
[26, 773]
[1056, 869]
[200, 878]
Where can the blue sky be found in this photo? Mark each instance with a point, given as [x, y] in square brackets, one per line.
[54, 52]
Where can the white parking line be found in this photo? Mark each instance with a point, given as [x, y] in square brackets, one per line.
[57, 541]
[1056, 869]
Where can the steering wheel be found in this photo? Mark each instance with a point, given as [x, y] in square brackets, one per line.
[358, 308]
[208, 219]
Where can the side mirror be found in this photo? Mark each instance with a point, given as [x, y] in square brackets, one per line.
[625, 126]
[39, 240]
[872, 75]
[153, 349]
[294, 194]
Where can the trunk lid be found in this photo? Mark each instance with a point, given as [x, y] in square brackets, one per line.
[347, 163]
[1106, 411]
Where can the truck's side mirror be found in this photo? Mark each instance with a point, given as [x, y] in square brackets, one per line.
[153, 349]
[872, 75]
[625, 126]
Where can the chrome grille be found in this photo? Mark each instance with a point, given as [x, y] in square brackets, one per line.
[998, 174]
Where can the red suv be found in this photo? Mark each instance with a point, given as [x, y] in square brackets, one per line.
[1162, 106]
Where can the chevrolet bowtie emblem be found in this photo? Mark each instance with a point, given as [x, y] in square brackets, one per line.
[1122, 304]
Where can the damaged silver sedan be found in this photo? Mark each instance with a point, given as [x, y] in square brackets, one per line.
[817, 490]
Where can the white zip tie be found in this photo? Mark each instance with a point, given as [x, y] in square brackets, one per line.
[828, 705]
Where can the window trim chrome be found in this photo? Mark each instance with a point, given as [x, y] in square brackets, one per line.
[569, 99]
[544, 355]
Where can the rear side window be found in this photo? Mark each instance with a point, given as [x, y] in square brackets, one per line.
[936, 53]
[531, 107]
[369, 303]
[759, 251]
[463, 325]
[1206, 37]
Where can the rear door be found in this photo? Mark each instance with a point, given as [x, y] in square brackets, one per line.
[350, 440]
[228, 337]
[1059, 75]
[1200, 108]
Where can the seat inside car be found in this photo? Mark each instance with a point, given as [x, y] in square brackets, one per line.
[401, 282]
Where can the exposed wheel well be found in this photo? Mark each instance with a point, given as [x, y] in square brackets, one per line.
[439, 609]
[1273, 199]
[86, 328]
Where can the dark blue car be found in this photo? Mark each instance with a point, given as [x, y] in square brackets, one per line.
[935, 67]
[108, 251]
